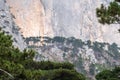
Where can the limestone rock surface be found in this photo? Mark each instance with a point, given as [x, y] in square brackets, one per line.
[65, 18]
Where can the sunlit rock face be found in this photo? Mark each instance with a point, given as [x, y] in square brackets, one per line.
[65, 18]
[30, 17]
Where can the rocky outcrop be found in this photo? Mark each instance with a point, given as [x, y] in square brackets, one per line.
[89, 58]
[62, 18]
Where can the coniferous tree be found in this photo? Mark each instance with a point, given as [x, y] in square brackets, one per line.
[17, 65]
[110, 14]
[109, 74]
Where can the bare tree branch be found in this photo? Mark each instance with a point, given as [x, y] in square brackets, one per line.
[7, 73]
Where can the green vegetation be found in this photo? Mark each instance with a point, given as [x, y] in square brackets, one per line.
[34, 39]
[109, 74]
[110, 14]
[17, 65]
[92, 69]
[97, 46]
[113, 50]
[58, 39]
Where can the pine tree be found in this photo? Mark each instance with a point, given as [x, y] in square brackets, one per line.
[110, 14]
[113, 74]
[17, 65]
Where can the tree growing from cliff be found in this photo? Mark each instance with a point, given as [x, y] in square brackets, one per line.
[17, 65]
[110, 14]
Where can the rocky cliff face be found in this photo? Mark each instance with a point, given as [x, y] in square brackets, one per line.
[9, 26]
[30, 17]
[62, 18]
[68, 29]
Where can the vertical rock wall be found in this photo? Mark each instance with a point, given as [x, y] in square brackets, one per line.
[29, 16]
[62, 18]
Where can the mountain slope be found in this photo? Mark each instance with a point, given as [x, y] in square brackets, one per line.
[63, 31]
[88, 57]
